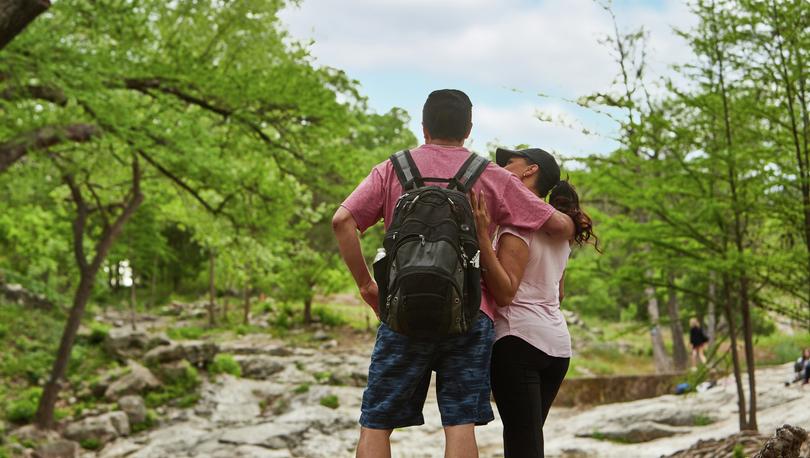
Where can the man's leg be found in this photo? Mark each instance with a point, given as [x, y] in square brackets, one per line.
[460, 441]
[374, 443]
[462, 387]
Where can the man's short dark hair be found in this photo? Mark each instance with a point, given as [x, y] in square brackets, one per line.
[447, 114]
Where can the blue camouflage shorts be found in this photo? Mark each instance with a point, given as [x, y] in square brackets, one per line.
[399, 376]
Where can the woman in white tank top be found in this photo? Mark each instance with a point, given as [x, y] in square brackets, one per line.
[523, 275]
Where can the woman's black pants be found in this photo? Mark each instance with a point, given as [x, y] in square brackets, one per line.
[525, 381]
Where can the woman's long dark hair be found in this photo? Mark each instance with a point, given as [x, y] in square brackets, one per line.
[565, 199]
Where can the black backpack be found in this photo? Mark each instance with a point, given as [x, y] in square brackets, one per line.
[429, 280]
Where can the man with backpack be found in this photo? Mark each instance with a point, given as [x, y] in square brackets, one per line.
[429, 290]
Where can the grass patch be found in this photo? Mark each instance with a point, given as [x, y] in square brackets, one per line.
[186, 332]
[181, 392]
[225, 364]
[330, 401]
[302, 388]
[90, 444]
[322, 377]
[23, 409]
[702, 420]
[150, 422]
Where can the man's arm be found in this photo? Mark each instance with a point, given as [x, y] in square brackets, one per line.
[345, 228]
[559, 225]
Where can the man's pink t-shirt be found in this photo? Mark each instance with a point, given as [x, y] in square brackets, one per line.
[509, 202]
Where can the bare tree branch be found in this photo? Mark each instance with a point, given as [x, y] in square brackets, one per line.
[13, 150]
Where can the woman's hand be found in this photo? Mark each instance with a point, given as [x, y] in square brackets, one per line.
[481, 215]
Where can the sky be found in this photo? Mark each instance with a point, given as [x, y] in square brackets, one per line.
[518, 60]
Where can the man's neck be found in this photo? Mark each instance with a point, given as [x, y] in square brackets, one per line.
[442, 142]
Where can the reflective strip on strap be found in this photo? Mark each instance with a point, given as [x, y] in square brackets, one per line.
[404, 166]
[476, 163]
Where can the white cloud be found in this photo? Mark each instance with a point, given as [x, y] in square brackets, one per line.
[510, 126]
[548, 46]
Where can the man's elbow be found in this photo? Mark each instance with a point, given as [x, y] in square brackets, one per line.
[342, 220]
[560, 225]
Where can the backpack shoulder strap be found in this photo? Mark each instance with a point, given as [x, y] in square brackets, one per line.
[469, 172]
[407, 172]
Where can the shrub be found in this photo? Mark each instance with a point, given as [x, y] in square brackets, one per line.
[225, 364]
[330, 401]
[90, 444]
[151, 421]
[322, 377]
[328, 317]
[98, 332]
[23, 409]
[302, 388]
[181, 391]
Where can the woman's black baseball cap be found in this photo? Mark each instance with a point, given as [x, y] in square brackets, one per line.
[548, 165]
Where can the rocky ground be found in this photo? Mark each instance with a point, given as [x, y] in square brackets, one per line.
[295, 401]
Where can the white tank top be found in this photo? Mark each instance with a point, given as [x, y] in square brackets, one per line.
[534, 314]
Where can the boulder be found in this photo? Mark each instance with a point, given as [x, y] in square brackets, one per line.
[643, 431]
[138, 380]
[134, 407]
[164, 354]
[103, 428]
[126, 343]
[30, 433]
[200, 352]
[59, 449]
[197, 352]
[259, 366]
[172, 371]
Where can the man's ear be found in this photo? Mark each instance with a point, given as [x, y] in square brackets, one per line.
[533, 169]
[469, 130]
[425, 133]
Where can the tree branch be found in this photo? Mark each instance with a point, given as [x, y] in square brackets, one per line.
[15, 15]
[13, 150]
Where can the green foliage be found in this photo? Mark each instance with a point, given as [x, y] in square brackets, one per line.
[180, 391]
[322, 376]
[186, 332]
[225, 364]
[90, 444]
[330, 401]
[327, 316]
[739, 451]
[702, 420]
[302, 388]
[22, 409]
[150, 422]
[98, 333]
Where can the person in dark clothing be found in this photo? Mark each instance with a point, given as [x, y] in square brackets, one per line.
[699, 340]
[801, 368]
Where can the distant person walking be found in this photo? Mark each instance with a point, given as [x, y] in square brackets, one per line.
[699, 340]
[533, 347]
[401, 366]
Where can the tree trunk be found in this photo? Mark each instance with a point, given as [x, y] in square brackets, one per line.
[47, 403]
[679, 353]
[246, 304]
[308, 310]
[749, 354]
[735, 357]
[212, 319]
[15, 15]
[225, 306]
[133, 300]
[44, 417]
[711, 312]
[153, 285]
[662, 361]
